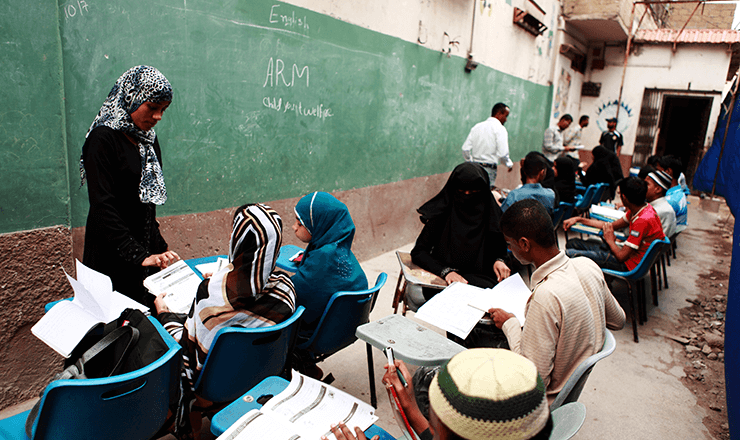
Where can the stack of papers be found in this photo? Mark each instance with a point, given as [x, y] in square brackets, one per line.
[459, 307]
[306, 409]
[178, 282]
[64, 326]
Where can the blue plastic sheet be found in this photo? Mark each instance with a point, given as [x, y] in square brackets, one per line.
[728, 186]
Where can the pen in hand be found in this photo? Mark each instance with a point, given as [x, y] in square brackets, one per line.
[391, 363]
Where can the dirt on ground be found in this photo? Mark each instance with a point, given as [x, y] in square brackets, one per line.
[701, 330]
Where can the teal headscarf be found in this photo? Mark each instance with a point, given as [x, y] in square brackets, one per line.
[328, 265]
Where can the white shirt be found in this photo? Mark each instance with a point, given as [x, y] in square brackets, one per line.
[666, 214]
[488, 142]
[552, 144]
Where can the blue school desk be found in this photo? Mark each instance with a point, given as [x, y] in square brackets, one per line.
[273, 385]
[286, 252]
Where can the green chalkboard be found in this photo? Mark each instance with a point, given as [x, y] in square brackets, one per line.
[273, 101]
[33, 161]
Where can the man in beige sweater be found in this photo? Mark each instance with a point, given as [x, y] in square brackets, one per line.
[570, 306]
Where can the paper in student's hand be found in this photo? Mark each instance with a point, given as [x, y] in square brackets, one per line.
[450, 310]
[510, 295]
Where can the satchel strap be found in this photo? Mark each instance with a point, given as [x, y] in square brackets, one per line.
[77, 370]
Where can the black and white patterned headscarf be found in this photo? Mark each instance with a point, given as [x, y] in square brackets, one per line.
[138, 85]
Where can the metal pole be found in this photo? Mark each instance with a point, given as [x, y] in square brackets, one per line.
[626, 55]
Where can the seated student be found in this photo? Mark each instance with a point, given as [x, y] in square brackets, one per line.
[461, 240]
[565, 179]
[480, 394]
[328, 265]
[671, 165]
[604, 169]
[533, 170]
[658, 183]
[644, 227]
[570, 306]
[249, 292]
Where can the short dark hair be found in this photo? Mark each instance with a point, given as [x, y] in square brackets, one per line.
[644, 171]
[529, 218]
[633, 189]
[532, 165]
[498, 108]
[583, 118]
[653, 160]
[566, 117]
[671, 163]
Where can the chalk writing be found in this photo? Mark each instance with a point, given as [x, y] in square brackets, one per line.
[70, 10]
[275, 73]
[288, 20]
[316, 111]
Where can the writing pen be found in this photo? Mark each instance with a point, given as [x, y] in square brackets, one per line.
[391, 362]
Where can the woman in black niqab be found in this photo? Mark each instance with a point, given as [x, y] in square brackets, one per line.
[461, 240]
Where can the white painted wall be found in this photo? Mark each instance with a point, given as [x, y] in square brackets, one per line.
[497, 42]
[697, 68]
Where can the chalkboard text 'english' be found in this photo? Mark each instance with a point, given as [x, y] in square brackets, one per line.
[288, 20]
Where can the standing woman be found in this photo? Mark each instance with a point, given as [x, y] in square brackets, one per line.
[121, 162]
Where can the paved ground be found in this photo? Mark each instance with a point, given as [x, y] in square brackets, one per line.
[634, 394]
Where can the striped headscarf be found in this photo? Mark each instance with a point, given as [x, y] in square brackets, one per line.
[138, 85]
[248, 292]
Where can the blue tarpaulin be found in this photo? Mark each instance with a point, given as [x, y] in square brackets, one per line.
[728, 186]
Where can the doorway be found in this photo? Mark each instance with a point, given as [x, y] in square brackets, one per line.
[683, 128]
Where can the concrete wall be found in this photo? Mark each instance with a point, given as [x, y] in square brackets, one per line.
[652, 66]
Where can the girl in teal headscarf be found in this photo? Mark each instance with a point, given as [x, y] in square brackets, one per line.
[328, 265]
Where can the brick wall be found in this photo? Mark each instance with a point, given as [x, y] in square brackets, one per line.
[706, 17]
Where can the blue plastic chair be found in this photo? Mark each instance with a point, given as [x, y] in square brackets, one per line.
[562, 212]
[567, 420]
[129, 406]
[240, 358]
[583, 202]
[571, 391]
[637, 276]
[336, 329]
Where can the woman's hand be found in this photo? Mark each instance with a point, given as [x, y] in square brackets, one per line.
[454, 276]
[501, 270]
[342, 432]
[161, 260]
[160, 305]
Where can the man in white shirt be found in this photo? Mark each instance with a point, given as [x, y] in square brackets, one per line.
[488, 142]
[552, 143]
[572, 137]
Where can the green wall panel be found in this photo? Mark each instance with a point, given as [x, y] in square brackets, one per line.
[33, 161]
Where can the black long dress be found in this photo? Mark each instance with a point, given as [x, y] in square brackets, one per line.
[121, 231]
[461, 232]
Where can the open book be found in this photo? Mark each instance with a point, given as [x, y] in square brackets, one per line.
[306, 409]
[180, 284]
[459, 307]
[64, 326]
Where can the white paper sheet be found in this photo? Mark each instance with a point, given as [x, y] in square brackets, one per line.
[459, 307]
[306, 408]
